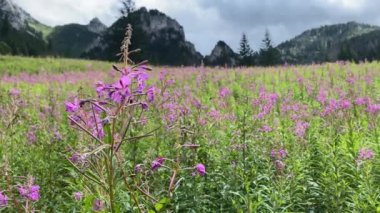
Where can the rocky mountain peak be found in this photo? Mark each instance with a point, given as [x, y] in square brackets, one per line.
[14, 14]
[222, 54]
[96, 26]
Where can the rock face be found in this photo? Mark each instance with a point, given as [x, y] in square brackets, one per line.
[160, 38]
[321, 44]
[72, 40]
[221, 55]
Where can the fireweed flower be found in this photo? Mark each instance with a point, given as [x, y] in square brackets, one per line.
[72, 106]
[201, 169]
[197, 103]
[78, 196]
[30, 192]
[157, 163]
[280, 166]
[279, 154]
[361, 101]
[321, 97]
[150, 94]
[364, 155]
[138, 168]
[265, 128]
[3, 200]
[300, 128]
[373, 108]
[214, 114]
[224, 92]
[14, 92]
[97, 205]
[31, 135]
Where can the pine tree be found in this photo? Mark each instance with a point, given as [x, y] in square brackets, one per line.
[269, 55]
[245, 52]
[267, 41]
[128, 6]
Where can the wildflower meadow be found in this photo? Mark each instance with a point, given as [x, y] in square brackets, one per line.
[133, 138]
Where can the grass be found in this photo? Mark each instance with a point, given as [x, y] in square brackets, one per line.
[11, 65]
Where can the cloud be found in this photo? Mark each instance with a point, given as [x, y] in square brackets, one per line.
[58, 12]
[207, 21]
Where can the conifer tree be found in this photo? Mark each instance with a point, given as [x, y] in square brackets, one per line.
[245, 52]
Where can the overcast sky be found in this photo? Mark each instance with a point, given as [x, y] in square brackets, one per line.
[207, 21]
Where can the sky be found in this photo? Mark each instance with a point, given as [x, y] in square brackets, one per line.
[207, 21]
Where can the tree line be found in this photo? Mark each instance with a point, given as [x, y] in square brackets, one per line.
[267, 55]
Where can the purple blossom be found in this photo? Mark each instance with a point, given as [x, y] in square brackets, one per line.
[14, 92]
[214, 114]
[97, 205]
[363, 155]
[157, 163]
[373, 108]
[31, 135]
[201, 169]
[279, 154]
[361, 101]
[224, 92]
[265, 128]
[280, 166]
[101, 88]
[3, 200]
[321, 97]
[196, 103]
[138, 168]
[150, 94]
[78, 196]
[72, 106]
[30, 192]
[300, 128]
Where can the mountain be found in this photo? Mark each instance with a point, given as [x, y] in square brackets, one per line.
[161, 39]
[221, 55]
[323, 43]
[72, 40]
[360, 48]
[20, 33]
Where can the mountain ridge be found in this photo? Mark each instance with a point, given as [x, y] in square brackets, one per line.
[163, 41]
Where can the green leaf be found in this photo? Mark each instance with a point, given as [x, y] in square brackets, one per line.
[161, 204]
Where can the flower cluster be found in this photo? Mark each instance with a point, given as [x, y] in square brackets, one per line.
[111, 97]
[300, 128]
[364, 155]
[31, 192]
[265, 102]
[278, 156]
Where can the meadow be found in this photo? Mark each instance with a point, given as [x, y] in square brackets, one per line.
[86, 138]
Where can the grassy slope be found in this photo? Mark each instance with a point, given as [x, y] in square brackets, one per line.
[10, 65]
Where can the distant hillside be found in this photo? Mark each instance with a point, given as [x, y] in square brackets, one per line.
[360, 48]
[20, 34]
[161, 39]
[323, 43]
[72, 40]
